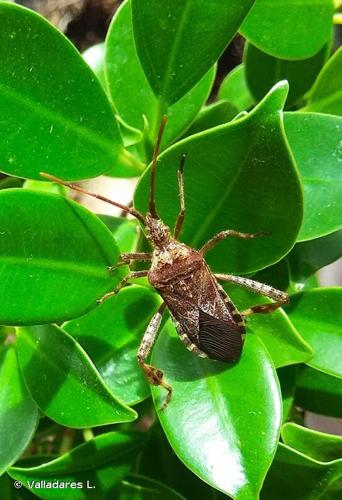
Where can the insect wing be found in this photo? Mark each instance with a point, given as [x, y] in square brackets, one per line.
[220, 340]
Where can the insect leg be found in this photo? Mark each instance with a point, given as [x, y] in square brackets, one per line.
[153, 375]
[126, 258]
[280, 297]
[181, 215]
[222, 235]
[131, 275]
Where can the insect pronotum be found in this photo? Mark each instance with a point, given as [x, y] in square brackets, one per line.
[205, 317]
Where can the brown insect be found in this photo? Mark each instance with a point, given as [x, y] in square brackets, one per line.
[205, 318]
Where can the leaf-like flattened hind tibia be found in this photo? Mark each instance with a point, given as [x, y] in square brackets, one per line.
[219, 339]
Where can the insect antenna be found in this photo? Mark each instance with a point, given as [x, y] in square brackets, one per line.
[75, 187]
[152, 205]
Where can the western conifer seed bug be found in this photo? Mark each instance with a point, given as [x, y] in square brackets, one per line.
[206, 319]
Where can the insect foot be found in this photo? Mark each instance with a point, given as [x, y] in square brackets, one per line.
[156, 377]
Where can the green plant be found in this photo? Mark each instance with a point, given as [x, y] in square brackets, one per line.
[68, 372]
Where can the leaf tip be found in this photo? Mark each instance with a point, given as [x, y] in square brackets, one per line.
[275, 99]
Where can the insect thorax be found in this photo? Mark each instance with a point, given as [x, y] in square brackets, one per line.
[170, 262]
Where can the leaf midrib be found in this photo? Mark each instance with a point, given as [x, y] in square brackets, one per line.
[55, 265]
[203, 228]
[174, 48]
[41, 110]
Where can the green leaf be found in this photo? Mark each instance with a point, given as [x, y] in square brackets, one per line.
[284, 344]
[317, 445]
[319, 393]
[103, 461]
[268, 23]
[317, 315]
[55, 115]
[171, 471]
[94, 57]
[111, 334]
[210, 413]
[132, 94]
[169, 37]
[315, 140]
[53, 258]
[18, 412]
[326, 94]
[263, 71]
[297, 477]
[125, 232]
[63, 380]
[212, 115]
[136, 487]
[46, 187]
[231, 182]
[307, 257]
[234, 88]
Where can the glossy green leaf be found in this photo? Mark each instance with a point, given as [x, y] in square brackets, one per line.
[94, 57]
[212, 115]
[210, 413]
[282, 341]
[231, 182]
[317, 445]
[169, 37]
[326, 95]
[317, 315]
[171, 471]
[18, 412]
[53, 258]
[315, 140]
[102, 461]
[125, 232]
[234, 88]
[136, 487]
[319, 393]
[46, 187]
[132, 94]
[307, 257]
[295, 29]
[263, 71]
[55, 115]
[297, 477]
[63, 380]
[111, 335]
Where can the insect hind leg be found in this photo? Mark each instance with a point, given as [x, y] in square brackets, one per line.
[280, 298]
[153, 374]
